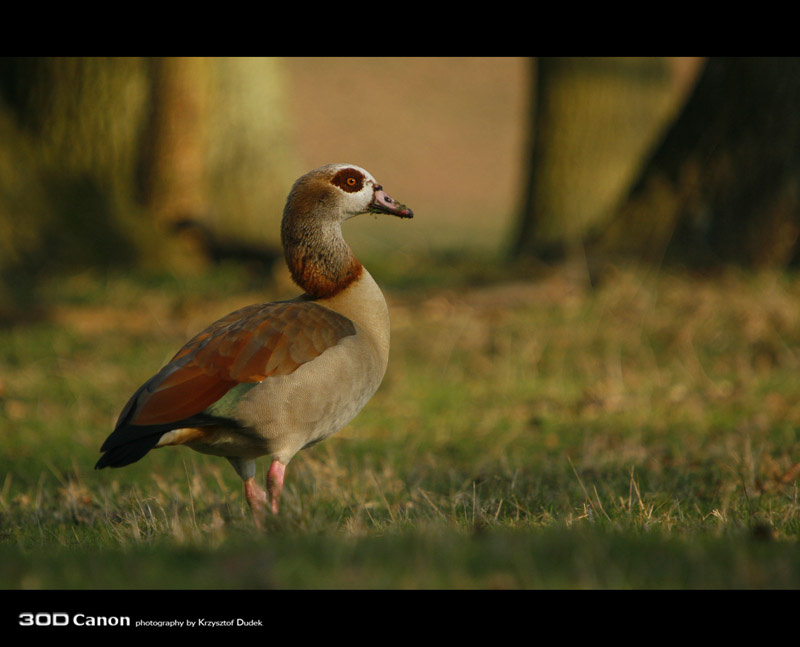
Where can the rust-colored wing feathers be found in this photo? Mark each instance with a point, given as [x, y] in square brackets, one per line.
[248, 345]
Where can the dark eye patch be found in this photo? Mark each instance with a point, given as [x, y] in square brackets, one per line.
[349, 179]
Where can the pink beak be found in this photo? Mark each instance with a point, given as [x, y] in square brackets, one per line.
[382, 202]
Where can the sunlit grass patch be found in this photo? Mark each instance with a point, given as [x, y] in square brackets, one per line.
[639, 432]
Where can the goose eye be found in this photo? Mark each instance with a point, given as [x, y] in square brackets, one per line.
[348, 179]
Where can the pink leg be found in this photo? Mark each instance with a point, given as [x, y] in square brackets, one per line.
[256, 498]
[275, 484]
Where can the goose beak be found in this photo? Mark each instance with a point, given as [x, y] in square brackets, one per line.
[383, 203]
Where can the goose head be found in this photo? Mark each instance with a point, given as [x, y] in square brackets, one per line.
[319, 259]
[338, 192]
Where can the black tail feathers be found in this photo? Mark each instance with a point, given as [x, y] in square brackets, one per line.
[127, 453]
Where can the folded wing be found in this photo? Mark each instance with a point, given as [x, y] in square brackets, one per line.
[249, 345]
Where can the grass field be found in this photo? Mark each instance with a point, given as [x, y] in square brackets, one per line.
[531, 432]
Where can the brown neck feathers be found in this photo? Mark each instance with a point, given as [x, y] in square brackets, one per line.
[319, 259]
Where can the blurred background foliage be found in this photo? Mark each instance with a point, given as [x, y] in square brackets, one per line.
[118, 163]
[645, 420]
[104, 158]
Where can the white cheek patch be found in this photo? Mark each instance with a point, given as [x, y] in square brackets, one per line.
[356, 203]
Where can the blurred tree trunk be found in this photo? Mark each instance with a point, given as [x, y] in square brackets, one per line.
[724, 184]
[174, 160]
[592, 120]
[100, 155]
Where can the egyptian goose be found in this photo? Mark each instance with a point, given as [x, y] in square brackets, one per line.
[275, 378]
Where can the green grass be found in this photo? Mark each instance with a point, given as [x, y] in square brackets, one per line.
[529, 434]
